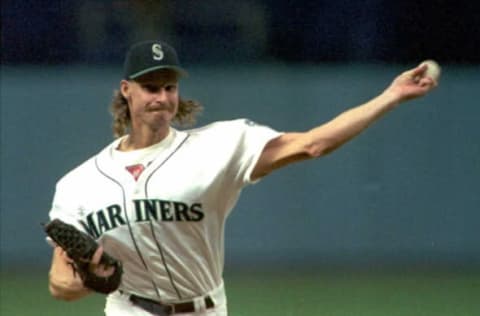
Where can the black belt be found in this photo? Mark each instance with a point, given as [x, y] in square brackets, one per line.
[161, 309]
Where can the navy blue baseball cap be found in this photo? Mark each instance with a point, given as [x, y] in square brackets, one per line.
[148, 56]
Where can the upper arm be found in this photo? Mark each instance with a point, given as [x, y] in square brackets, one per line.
[284, 150]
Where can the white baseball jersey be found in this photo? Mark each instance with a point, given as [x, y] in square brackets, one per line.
[167, 226]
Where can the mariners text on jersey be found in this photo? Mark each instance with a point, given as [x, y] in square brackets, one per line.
[110, 217]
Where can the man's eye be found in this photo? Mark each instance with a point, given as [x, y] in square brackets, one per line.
[171, 87]
[150, 88]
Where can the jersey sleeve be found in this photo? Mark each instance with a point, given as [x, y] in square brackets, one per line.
[251, 143]
[65, 205]
[61, 210]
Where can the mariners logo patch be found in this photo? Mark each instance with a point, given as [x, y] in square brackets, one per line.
[157, 52]
[135, 170]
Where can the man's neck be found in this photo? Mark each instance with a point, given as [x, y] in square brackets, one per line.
[139, 140]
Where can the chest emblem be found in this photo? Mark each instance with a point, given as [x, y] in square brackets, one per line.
[135, 170]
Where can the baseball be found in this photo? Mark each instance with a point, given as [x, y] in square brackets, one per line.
[433, 70]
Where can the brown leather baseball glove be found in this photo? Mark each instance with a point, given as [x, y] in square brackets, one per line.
[80, 247]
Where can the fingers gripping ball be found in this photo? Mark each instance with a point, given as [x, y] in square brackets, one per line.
[80, 248]
[433, 69]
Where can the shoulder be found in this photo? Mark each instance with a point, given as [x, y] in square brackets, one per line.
[235, 136]
[226, 128]
[78, 173]
[85, 171]
[216, 126]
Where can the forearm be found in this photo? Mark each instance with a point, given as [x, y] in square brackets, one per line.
[67, 291]
[331, 135]
[64, 283]
[293, 147]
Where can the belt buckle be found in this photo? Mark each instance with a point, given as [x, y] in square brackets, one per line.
[169, 308]
[157, 308]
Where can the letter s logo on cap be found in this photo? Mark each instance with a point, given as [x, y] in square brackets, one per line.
[157, 52]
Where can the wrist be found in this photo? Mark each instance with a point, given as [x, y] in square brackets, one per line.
[390, 98]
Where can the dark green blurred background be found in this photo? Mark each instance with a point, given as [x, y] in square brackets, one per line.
[387, 225]
[290, 294]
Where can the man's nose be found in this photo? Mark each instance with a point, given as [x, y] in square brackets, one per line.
[161, 95]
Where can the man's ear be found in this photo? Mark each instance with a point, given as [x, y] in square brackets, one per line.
[125, 88]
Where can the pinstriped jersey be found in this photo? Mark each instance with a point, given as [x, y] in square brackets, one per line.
[167, 224]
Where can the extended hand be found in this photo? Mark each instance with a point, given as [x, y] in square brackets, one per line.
[411, 84]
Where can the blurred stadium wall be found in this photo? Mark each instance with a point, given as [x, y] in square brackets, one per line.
[405, 193]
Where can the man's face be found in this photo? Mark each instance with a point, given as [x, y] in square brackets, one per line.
[152, 98]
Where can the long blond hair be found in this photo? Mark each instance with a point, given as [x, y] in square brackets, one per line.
[187, 113]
